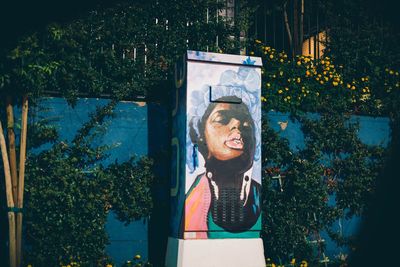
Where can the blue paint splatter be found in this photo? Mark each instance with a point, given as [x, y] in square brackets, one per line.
[248, 61]
[195, 157]
[256, 200]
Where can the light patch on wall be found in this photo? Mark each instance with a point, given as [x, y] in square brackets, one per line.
[283, 124]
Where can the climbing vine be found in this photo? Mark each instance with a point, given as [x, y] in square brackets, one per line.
[69, 194]
[333, 176]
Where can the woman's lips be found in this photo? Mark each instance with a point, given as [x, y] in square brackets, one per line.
[235, 141]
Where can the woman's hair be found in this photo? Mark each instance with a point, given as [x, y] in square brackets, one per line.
[241, 112]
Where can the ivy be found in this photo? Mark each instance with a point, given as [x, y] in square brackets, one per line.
[69, 194]
[121, 51]
[334, 176]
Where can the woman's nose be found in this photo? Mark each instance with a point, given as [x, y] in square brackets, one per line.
[234, 124]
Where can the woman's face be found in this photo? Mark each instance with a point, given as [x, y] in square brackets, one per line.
[228, 132]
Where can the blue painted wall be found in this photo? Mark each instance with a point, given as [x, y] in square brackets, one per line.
[128, 132]
[374, 131]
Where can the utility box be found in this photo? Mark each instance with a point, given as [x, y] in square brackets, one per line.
[216, 162]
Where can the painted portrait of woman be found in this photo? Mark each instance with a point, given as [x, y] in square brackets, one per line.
[224, 196]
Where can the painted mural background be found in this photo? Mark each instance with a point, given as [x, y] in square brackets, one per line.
[223, 150]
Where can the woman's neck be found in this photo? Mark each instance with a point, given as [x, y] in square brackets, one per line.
[225, 174]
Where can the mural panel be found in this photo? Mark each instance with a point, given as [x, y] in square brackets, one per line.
[223, 151]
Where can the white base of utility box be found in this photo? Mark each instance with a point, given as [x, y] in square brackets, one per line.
[215, 253]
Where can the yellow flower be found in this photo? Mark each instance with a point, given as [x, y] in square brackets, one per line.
[29, 265]
[289, 80]
[326, 78]
[273, 265]
[280, 91]
[353, 88]
[287, 89]
[274, 76]
[271, 56]
[281, 60]
[281, 73]
[251, 53]
[293, 261]
[109, 265]
[348, 86]
[397, 73]
[258, 41]
[317, 93]
[391, 72]
[268, 85]
[362, 79]
[308, 73]
[321, 82]
[298, 80]
[288, 97]
[365, 97]
[137, 257]
[298, 63]
[263, 99]
[335, 83]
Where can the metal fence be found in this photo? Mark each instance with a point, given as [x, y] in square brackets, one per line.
[268, 25]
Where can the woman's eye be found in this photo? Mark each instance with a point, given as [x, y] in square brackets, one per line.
[220, 119]
[217, 119]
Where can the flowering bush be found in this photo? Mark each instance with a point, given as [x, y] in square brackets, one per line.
[304, 84]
